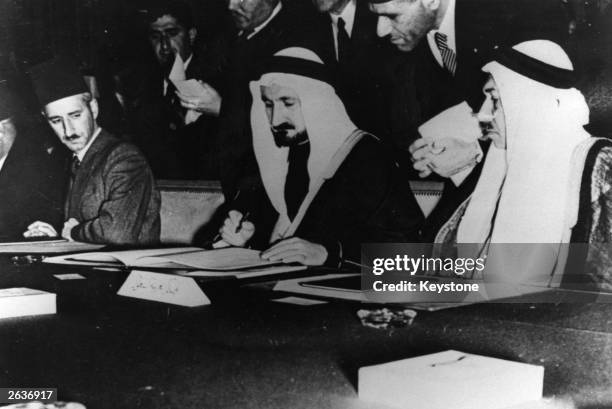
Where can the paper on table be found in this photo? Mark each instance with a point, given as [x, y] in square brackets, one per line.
[299, 301]
[300, 286]
[248, 273]
[128, 257]
[227, 259]
[47, 247]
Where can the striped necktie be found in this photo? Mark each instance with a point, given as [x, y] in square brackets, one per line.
[449, 58]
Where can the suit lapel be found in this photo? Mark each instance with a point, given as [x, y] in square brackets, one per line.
[73, 200]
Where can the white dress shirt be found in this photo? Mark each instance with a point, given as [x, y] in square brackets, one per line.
[81, 154]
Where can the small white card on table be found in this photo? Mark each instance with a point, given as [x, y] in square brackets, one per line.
[166, 288]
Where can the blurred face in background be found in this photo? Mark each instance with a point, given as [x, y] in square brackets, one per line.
[8, 133]
[168, 38]
[248, 14]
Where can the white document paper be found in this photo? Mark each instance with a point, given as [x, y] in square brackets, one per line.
[306, 302]
[194, 258]
[248, 273]
[47, 247]
[457, 122]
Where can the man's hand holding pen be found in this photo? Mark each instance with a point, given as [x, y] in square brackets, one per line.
[236, 230]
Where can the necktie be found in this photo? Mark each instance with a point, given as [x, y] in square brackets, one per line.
[343, 41]
[297, 181]
[449, 58]
[177, 112]
[74, 167]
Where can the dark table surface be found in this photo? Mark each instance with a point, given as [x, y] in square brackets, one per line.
[244, 351]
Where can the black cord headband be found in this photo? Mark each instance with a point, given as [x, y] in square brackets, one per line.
[296, 66]
[535, 69]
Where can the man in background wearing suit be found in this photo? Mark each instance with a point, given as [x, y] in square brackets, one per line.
[173, 130]
[112, 198]
[31, 184]
[450, 41]
[360, 61]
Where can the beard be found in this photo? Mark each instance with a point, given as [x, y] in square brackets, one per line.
[283, 135]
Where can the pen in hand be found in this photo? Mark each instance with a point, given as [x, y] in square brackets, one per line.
[218, 242]
[242, 220]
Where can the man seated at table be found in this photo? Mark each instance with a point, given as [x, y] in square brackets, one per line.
[545, 179]
[31, 184]
[327, 186]
[112, 197]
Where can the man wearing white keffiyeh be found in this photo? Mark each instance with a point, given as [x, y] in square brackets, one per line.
[327, 186]
[530, 187]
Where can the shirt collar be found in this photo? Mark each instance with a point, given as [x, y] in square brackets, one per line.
[81, 154]
[447, 27]
[260, 27]
[348, 15]
[2, 161]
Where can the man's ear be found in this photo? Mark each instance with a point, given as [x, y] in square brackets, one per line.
[193, 33]
[93, 105]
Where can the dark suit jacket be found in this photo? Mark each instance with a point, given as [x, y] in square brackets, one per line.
[31, 187]
[113, 196]
[173, 149]
[363, 81]
[481, 27]
[366, 201]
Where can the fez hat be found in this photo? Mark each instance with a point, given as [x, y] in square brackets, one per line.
[56, 79]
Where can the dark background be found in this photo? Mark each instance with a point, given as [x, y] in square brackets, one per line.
[108, 36]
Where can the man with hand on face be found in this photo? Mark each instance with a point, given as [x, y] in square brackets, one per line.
[112, 198]
[450, 41]
[175, 130]
[327, 186]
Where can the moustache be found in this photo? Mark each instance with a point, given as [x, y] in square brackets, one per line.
[282, 127]
[71, 137]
